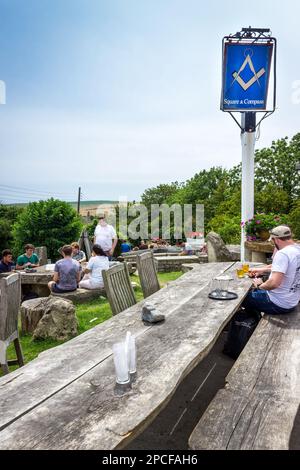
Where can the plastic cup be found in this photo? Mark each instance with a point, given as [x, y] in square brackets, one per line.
[132, 355]
[121, 363]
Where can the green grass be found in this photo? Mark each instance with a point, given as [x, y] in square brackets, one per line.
[88, 315]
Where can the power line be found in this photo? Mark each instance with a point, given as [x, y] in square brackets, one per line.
[18, 189]
[24, 198]
[33, 196]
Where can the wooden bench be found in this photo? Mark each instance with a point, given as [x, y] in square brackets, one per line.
[259, 407]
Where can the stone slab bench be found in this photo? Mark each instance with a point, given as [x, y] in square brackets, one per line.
[168, 264]
[81, 295]
[259, 408]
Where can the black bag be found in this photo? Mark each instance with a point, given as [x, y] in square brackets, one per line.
[241, 328]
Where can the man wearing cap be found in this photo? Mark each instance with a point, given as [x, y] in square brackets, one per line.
[105, 236]
[281, 292]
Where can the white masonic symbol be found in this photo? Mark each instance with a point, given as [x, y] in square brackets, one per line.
[256, 75]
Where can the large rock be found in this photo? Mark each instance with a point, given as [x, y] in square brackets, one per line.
[58, 321]
[235, 251]
[217, 250]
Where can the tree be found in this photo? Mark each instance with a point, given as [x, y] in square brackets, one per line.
[271, 199]
[160, 194]
[50, 223]
[207, 187]
[294, 220]
[276, 165]
[8, 215]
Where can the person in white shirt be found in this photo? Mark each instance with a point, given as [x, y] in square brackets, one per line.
[93, 272]
[105, 236]
[281, 292]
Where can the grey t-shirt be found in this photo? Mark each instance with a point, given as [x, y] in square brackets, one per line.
[67, 270]
[80, 255]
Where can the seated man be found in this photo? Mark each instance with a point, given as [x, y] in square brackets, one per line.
[67, 273]
[77, 254]
[29, 259]
[6, 264]
[143, 245]
[93, 272]
[187, 249]
[280, 293]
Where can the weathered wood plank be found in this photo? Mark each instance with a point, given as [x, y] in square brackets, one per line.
[261, 400]
[54, 369]
[86, 415]
[237, 422]
[270, 363]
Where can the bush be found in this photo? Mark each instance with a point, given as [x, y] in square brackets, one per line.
[229, 228]
[6, 238]
[90, 228]
[50, 223]
[8, 215]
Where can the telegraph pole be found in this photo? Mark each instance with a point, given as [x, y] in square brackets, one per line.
[78, 200]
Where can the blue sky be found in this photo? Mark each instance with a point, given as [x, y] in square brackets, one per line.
[119, 95]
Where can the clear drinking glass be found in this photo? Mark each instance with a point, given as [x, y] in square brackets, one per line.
[121, 363]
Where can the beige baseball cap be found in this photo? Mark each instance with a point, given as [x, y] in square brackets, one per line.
[280, 232]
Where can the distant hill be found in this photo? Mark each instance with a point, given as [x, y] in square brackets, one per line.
[86, 207]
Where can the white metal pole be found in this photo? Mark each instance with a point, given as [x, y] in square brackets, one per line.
[248, 145]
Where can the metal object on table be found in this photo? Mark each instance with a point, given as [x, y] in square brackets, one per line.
[219, 289]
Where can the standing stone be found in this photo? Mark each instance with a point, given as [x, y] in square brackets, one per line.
[58, 321]
[216, 249]
[41, 252]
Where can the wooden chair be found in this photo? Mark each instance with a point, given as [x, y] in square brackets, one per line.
[10, 299]
[118, 288]
[147, 273]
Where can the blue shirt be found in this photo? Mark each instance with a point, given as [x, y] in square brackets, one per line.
[125, 248]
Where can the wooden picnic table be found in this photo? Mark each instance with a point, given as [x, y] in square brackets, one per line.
[65, 398]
